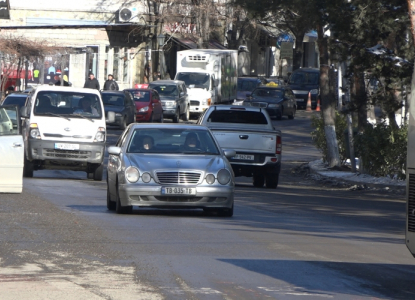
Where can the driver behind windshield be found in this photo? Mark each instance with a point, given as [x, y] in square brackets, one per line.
[85, 107]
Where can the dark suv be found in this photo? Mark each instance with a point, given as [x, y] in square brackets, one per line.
[304, 81]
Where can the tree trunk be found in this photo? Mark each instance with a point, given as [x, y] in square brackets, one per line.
[359, 97]
[328, 102]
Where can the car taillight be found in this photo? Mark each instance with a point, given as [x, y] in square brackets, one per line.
[278, 147]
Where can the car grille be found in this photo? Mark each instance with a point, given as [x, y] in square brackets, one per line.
[259, 104]
[178, 177]
[194, 103]
[67, 153]
[411, 203]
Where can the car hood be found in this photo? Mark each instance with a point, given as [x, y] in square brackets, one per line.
[113, 108]
[266, 99]
[153, 162]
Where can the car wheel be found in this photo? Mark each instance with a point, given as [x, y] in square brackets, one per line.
[98, 172]
[28, 168]
[271, 181]
[176, 117]
[119, 209]
[186, 115]
[161, 118]
[123, 123]
[226, 212]
[110, 204]
[258, 180]
[292, 114]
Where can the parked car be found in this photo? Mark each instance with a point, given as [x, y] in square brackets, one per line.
[18, 99]
[304, 81]
[278, 101]
[174, 99]
[169, 166]
[122, 104]
[11, 151]
[147, 104]
[246, 85]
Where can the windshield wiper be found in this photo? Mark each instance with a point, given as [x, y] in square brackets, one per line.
[55, 115]
[89, 119]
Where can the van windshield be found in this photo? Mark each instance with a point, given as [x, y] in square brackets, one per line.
[194, 80]
[304, 78]
[51, 103]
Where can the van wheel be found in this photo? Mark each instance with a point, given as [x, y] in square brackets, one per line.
[186, 115]
[258, 180]
[176, 117]
[28, 168]
[271, 181]
[99, 172]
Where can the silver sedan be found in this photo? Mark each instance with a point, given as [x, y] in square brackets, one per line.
[169, 166]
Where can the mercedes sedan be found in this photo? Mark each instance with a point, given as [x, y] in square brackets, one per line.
[170, 166]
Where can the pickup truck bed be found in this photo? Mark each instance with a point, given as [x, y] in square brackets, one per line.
[249, 132]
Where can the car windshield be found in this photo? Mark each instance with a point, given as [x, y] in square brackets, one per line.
[52, 103]
[178, 141]
[15, 100]
[195, 80]
[268, 93]
[141, 96]
[165, 90]
[247, 85]
[113, 99]
[304, 78]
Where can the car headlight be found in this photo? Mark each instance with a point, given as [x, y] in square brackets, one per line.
[206, 101]
[35, 133]
[143, 109]
[146, 177]
[224, 176]
[273, 105]
[132, 174]
[314, 91]
[100, 136]
[118, 115]
[210, 178]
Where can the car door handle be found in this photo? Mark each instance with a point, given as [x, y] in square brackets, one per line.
[17, 145]
[243, 137]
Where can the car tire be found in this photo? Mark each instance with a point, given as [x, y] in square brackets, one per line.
[98, 173]
[271, 181]
[291, 117]
[258, 180]
[119, 209]
[176, 117]
[28, 168]
[186, 115]
[226, 212]
[110, 204]
[123, 123]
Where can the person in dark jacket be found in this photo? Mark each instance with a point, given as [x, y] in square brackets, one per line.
[91, 82]
[110, 84]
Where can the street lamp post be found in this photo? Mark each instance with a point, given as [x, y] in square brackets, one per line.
[160, 42]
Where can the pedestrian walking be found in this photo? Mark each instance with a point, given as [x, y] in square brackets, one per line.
[110, 84]
[91, 82]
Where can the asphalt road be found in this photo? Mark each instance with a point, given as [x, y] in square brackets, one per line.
[300, 241]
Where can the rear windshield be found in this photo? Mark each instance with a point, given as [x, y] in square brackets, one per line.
[16, 100]
[113, 99]
[304, 78]
[237, 116]
[141, 96]
[165, 90]
[50, 103]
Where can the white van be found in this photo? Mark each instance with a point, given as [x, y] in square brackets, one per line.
[64, 128]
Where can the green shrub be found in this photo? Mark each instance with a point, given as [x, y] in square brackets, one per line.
[319, 137]
[382, 149]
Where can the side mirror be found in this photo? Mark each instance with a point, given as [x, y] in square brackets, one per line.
[23, 112]
[229, 153]
[110, 117]
[113, 150]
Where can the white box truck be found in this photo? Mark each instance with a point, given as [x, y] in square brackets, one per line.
[210, 75]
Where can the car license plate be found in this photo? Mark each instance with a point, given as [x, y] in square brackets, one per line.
[244, 157]
[62, 146]
[299, 100]
[178, 191]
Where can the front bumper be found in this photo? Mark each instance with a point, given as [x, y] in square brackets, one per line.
[42, 150]
[302, 98]
[149, 195]
[143, 117]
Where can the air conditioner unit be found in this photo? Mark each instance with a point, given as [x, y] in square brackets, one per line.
[128, 14]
